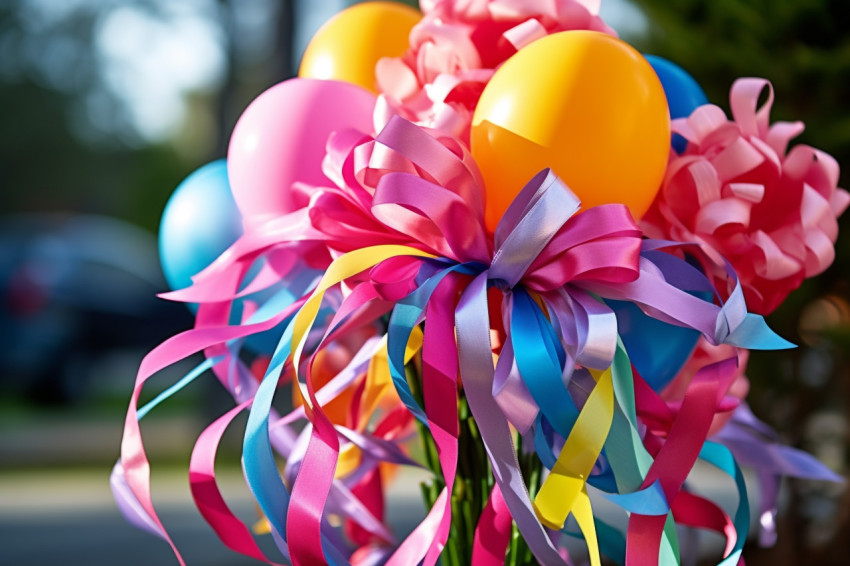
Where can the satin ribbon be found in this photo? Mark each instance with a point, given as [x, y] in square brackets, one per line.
[134, 460]
[549, 266]
[232, 532]
[534, 198]
[473, 336]
[439, 375]
[493, 531]
[566, 482]
[535, 210]
[323, 446]
[313, 482]
[684, 434]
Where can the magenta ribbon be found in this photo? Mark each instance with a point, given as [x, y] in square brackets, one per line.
[439, 381]
[600, 245]
[410, 186]
[433, 218]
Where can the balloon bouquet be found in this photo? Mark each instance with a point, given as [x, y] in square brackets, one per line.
[461, 240]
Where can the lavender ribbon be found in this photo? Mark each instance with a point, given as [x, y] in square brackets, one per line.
[756, 445]
[476, 363]
[496, 396]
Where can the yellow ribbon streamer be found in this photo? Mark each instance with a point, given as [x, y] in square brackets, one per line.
[583, 511]
[564, 490]
[339, 270]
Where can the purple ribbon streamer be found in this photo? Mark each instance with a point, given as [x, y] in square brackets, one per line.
[476, 363]
[754, 444]
[129, 505]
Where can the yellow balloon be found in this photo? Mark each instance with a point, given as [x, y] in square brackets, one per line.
[586, 105]
[348, 46]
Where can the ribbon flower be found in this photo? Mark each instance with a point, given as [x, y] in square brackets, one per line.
[456, 47]
[742, 195]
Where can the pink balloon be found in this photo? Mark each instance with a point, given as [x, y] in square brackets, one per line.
[280, 139]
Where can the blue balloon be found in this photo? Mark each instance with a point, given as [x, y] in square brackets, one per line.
[199, 222]
[683, 93]
[656, 349]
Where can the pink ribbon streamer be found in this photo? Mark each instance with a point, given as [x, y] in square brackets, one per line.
[493, 532]
[439, 381]
[420, 188]
[598, 249]
[232, 532]
[684, 433]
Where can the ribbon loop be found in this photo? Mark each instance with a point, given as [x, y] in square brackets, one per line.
[530, 222]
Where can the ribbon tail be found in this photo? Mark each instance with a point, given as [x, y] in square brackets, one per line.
[128, 504]
[754, 334]
[476, 363]
[558, 494]
[208, 498]
[720, 456]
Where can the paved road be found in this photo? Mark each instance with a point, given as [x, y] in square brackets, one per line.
[69, 519]
[53, 516]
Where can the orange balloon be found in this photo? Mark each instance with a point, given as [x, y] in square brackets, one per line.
[583, 103]
[348, 46]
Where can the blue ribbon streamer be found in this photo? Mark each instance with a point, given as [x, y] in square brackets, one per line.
[720, 456]
[261, 472]
[540, 359]
[258, 458]
[405, 316]
[184, 381]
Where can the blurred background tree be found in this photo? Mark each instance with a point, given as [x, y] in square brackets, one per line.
[107, 105]
[803, 48]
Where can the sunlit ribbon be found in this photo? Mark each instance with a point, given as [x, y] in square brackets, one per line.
[535, 218]
[547, 263]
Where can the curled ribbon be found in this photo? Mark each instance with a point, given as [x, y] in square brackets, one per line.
[404, 226]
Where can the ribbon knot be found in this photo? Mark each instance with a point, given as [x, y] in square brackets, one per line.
[542, 207]
[542, 242]
[407, 206]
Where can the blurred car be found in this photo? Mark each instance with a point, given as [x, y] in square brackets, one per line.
[74, 288]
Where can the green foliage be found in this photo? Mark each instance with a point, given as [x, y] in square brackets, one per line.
[51, 157]
[45, 167]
